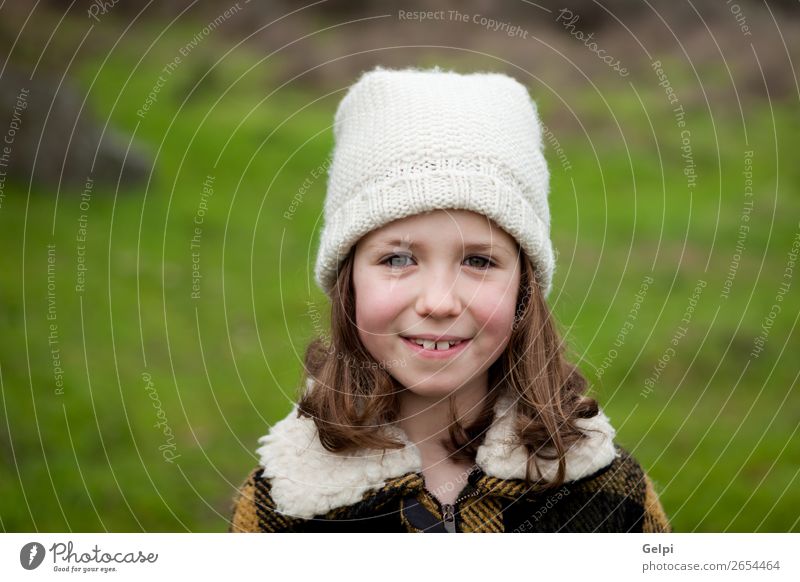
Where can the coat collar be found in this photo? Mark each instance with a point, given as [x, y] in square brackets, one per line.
[308, 480]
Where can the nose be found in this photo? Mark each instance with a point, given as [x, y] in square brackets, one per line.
[439, 295]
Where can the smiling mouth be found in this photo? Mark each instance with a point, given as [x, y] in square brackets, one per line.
[430, 346]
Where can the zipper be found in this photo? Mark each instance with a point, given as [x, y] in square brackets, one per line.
[449, 510]
[449, 514]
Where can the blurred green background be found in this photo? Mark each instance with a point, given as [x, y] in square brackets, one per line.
[251, 106]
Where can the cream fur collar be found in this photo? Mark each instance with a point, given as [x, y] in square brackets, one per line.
[308, 480]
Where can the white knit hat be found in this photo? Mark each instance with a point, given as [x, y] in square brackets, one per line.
[409, 141]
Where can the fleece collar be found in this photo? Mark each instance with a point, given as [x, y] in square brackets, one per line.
[308, 480]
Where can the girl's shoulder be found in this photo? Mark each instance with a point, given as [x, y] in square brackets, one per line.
[624, 471]
[625, 485]
[254, 509]
[618, 497]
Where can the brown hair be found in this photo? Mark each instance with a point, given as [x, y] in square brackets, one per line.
[353, 396]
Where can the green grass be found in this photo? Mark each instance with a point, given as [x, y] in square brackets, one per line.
[714, 433]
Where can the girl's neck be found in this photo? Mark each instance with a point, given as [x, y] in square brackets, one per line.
[425, 419]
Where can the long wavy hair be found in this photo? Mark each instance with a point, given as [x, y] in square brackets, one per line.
[350, 396]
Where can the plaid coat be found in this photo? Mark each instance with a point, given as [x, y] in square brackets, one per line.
[301, 487]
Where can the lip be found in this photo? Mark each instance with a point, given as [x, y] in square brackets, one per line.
[436, 354]
[437, 338]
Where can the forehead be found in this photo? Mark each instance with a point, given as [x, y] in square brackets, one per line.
[440, 226]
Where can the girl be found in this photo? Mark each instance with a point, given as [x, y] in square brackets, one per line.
[443, 401]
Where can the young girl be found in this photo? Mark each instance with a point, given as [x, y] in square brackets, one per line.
[443, 401]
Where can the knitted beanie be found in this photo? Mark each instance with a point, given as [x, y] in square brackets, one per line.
[411, 141]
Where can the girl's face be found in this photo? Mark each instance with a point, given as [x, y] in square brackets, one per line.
[447, 273]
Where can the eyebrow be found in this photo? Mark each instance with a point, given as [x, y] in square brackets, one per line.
[469, 247]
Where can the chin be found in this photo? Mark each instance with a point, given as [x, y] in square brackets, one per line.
[431, 389]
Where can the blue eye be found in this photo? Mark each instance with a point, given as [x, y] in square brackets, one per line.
[387, 259]
[487, 261]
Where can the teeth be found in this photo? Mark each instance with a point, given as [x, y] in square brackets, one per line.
[432, 345]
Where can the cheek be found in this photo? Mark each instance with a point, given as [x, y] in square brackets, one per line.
[493, 310]
[375, 308]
